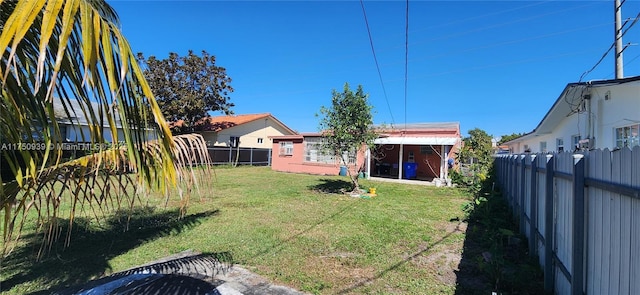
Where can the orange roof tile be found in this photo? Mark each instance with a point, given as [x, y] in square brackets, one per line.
[223, 122]
[219, 123]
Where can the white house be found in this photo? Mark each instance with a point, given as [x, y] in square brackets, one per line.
[587, 115]
[75, 127]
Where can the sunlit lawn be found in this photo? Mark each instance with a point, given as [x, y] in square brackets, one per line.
[296, 230]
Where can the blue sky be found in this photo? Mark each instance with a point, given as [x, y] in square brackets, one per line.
[493, 65]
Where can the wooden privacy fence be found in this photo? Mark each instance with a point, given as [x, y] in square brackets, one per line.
[581, 215]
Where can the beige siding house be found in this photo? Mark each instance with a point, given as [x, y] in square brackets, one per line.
[245, 131]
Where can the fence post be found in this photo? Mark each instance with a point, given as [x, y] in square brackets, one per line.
[510, 185]
[523, 212]
[548, 227]
[533, 219]
[251, 156]
[269, 157]
[577, 271]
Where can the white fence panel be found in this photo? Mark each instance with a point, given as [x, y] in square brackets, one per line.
[606, 185]
[541, 182]
[595, 232]
[526, 181]
[563, 197]
[562, 284]
[634, 261]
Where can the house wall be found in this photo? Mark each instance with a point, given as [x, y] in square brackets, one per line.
[295, 163]
[612, 107]
[428, 164]
[249, 134]
[76, 133]
[620, 110]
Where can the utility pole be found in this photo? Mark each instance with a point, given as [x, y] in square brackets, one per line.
[618, 34]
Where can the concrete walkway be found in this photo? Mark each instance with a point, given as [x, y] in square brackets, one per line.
[239, 281]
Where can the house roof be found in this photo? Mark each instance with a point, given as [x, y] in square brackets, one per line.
[219, 123]
[76, 116]
[413, 134]
[422, 140]
[566, 103]
[432, 126]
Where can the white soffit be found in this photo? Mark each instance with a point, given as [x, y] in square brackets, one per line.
[417, 140]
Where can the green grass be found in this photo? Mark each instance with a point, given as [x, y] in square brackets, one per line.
[294, 229]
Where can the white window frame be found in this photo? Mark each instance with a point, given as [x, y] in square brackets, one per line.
[260, 140]
[286, 148]
[313, 153]
[627, 136]
[560, 144]
[543, 146]
[575, 141]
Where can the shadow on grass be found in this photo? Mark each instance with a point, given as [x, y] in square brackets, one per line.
[280, 246]
[91, 247]
[495, 256]
[332, 186]
[393, 267]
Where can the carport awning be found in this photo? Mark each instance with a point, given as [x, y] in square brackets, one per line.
[417, 140]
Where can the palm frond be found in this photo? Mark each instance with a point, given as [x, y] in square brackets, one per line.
[73, 50]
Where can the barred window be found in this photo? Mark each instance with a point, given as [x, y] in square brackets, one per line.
[286, 148]
[628, 136]
[314, 153]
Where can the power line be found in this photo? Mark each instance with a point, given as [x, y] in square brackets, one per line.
[635, 20]
[406, 63]
[384, 90]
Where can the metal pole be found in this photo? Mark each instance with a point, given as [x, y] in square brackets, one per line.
[618, 33]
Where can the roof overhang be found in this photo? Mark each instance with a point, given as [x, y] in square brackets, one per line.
[431, 140]
[573, 92]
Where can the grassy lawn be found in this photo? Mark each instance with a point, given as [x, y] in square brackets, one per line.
[296, 230]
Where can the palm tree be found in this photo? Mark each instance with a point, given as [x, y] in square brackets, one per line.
[74, 52]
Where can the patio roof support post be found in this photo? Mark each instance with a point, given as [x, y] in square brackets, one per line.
[400, 162]
[368, 159]
[442, 162]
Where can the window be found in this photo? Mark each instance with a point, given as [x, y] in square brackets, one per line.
[543, 146]
[234, 141]
[286, 148]
[426, 150]
[259, 139]
[526, 148]
[575, 141]
[63, 132]
[628, 136]
[560, 144]
[314, 153]
[411, 157]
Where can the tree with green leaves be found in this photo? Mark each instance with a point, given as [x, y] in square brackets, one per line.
[509, 137]
[347, 126]
[188, 87]
[475, 158]
[74, 52]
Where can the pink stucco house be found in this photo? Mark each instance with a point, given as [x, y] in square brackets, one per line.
[301, 153]
[422, 151]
